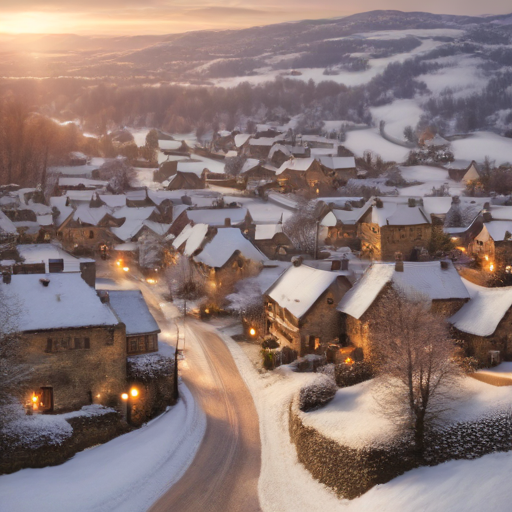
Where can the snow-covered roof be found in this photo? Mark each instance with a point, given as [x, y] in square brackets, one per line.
[249, 164]
[67, 302]
[224, 244]
[338, 162]
[159, 228]
[45, 220]
[126, 247]
[296, 164]
[64, 211]
[395, 211]
[217, 216]
[91, 216]
[75, 182]
[114, 201]
[134, 213]
[343, 216]
[267, 231]
[169, 145]
[264, 141]
[128, 230]
[279, 147]
[241, 139]
[78, 196]
[483, 313]
[193, 167]
[131, 309]
[192, 237]
[300, 287]
[74, 170]
[428, 279]
[498, 229]
[6, 225]
[38, 253]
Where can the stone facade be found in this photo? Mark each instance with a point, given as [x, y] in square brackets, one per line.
[80, 366]
[382, 243]
[321, 325]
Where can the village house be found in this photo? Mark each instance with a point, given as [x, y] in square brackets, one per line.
[437, 281]
[389, 225]
[280, 153]
[227, 256]
[86, 229]
[303, 174]
[484, 324]
[493, 243]
[301, 310]
[272, 242]
[339, 228]
[73, 341]
[340, 168]
[141, 328]
[186, 181]
[260, 147]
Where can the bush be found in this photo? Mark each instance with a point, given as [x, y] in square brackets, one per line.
[351, 374]
[317, 394]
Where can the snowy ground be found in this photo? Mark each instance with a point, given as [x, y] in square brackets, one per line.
[482, 144]
[429, 177]
[360, 141]
[397, 115]
[286, 486]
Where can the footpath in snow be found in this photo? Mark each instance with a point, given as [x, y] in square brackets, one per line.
[286, 486]
[126, 474]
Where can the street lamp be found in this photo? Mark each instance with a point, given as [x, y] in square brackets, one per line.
[252, 331]
[128, 399]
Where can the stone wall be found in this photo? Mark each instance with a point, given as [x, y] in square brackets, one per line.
[79, 376]
[87, 432]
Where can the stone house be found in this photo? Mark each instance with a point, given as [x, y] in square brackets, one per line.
[141, 328]
[390, 225]
[303, 174]
[186, 181]
[339, 228]
[73, 341]
[484, 324]
[439, 281]
[260, 147]
[86, 229]
[272, 242]
[226, 255]
[280, 153]
[339, 168]
[301, 307]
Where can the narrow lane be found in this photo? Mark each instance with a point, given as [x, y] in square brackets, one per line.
[224, 474]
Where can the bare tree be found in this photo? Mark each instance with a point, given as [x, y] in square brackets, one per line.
[185, 280]
[14, 371]
[301, 228]
[415, 362]
[118, 173]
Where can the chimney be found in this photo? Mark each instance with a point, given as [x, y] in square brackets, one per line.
[104, 296]
[455, 200]
[487, 215]
[227, 222]
[45, 282]
[411, 202]
[6, 277]
[379, 203]
[336, 265]
[444, 265]
[344, 264]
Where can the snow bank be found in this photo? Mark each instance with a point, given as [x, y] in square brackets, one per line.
[360, 141]
[482, 144]
[126, 474]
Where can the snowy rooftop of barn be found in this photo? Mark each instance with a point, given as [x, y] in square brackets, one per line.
[217, 216]
[67, 302]
[132, 310]
[192, 237]
[296, 164]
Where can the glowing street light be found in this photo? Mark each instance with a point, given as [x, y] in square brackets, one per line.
[134, 392]
[126, 269]
[252, 331]
[124, 396]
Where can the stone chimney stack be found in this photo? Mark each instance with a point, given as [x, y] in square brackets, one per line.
[6, 277]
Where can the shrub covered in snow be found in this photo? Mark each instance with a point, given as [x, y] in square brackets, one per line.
[148, 367]
[317, 394]
[352, 374]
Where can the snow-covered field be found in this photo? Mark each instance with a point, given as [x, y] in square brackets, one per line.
[286, 486]
[360, 141]
[397, 115]
[482, 144]
[126, 474]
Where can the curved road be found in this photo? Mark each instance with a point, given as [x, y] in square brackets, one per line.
[223, 477]
[224, 474]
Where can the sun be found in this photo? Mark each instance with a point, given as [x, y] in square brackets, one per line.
[34, 23]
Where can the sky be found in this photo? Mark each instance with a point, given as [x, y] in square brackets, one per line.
[132, 17]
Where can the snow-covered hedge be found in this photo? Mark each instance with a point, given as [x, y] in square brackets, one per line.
[352, 374]
[146, 367]
[317, 394]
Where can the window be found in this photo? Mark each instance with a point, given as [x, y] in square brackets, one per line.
[78, 343]
[479, 242]
[91, 233]
[133, 344]
[49, 345]
[141, 344]
[64, 344]
[87, 343]
[110, 340]
[330, 300]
